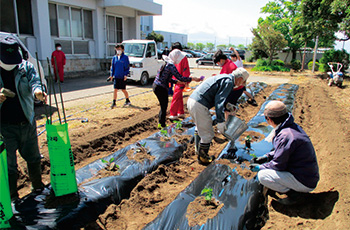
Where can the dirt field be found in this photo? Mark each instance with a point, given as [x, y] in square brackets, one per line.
[323, 112]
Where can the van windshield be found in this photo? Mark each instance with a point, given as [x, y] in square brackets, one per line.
[134, 49]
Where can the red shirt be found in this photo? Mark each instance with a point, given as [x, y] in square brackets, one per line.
[228, 67]
[183, 68]
[60, 58]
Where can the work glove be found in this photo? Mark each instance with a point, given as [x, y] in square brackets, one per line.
[254, 167]
[221, 127]
[260, 160]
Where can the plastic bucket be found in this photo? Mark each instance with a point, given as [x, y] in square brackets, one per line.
[63, 179]
[5, 198]
[234, 128]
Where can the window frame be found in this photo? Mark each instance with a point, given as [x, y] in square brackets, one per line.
[116, 30]
[72, 38]
[17, 20]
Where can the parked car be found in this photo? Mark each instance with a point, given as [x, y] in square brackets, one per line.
[143, 57]
[188, 55]
[240, 52]
[26, 55]
[207, 59]
[194, 53]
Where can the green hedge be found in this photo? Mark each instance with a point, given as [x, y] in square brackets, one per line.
[309, 65]
[277, 65]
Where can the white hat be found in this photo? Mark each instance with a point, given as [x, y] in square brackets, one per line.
[241, 72]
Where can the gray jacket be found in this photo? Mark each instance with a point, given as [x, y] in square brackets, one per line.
[214, 92]
[27, 81]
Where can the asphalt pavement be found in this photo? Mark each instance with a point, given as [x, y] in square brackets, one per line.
[85, 87]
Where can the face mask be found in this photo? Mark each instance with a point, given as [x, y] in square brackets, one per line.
[7, 67]
[59, 48]
[119, 52]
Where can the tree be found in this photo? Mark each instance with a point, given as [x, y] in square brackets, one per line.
[222, 47]
[210, 46]
[286, 16]
[191, 45]
[200, 46]
[342, 9]
[156, 37]
[241, 46]
[268, 40]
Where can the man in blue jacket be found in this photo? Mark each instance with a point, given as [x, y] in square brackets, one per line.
[119, 72]
[215, 91]
[291, 167]
[18, 126]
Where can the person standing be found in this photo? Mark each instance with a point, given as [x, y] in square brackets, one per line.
[119, 72]
[214, 91]
[236, 58]
[60, 61]
[177, 104]
[161, 83]
[18, 126]
[291, 167]
[166, 51]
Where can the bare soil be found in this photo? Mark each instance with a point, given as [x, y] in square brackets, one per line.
[322, 111]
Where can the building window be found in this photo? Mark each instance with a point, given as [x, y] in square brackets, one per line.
[16, 16]
[72, 26]
[114, 33]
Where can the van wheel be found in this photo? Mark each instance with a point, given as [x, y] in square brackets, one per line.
[144, 78]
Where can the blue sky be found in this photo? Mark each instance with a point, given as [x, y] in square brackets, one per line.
[219, 22]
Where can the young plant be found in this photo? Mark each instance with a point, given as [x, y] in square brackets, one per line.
[208, 193]
[252, 155]
[141, 147]
[248, 140]
[178, 124]
[110, 165]
[164, 132]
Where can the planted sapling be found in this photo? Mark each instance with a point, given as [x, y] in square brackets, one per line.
[178, 125]
[110, 165]
[248, 140]
[208, 194]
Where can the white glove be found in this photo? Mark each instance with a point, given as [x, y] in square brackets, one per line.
[221, 127]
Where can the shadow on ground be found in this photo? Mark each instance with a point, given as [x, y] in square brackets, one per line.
[315, 206]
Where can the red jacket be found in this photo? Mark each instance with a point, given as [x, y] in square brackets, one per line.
[60, 58]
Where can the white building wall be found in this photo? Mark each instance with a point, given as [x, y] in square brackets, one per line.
[170, 38]
[43, 43]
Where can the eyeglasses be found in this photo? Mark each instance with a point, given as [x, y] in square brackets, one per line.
[266, 118]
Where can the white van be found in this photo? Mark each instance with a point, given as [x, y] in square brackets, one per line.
[143, 57]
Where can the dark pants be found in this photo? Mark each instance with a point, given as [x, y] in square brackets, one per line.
[162, 95]
[22, 137]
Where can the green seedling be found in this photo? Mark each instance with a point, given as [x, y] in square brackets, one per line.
[252, 155]
[178, 124]
[208, 193]
[141, 147]
[248, 138]
[164, 132]
[110, 165]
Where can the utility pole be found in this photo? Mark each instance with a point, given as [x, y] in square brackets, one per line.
[314, 58]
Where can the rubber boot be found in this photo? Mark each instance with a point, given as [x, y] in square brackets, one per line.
[34, 170]
[13, 186]
[203, 157]
[196, 142]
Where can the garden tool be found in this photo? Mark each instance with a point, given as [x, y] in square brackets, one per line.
[7, 92]
[235, 128]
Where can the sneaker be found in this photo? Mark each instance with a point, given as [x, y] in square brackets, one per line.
[113, 106]
[127, 102]
[182, 116]
[173, 117]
